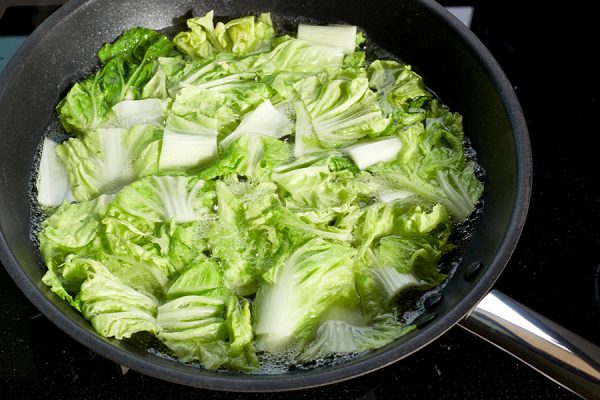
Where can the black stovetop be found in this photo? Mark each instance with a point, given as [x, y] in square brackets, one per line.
[555, 269]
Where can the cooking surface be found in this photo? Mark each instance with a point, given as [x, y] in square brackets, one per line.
[555, 269]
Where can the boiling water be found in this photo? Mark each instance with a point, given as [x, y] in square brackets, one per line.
[282, 363]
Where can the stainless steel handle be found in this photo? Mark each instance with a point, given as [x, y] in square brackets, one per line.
[561, 355]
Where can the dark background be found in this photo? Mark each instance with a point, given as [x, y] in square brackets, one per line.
[546, 53]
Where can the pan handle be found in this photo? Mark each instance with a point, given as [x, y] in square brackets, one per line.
[557, 353]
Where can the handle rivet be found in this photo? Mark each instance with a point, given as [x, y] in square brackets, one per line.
[433, 300]
[424, 319]
[472, 270]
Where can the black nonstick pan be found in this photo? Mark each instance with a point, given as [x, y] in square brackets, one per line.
[453, 63]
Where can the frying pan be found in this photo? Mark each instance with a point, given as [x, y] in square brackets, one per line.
[453, 63]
